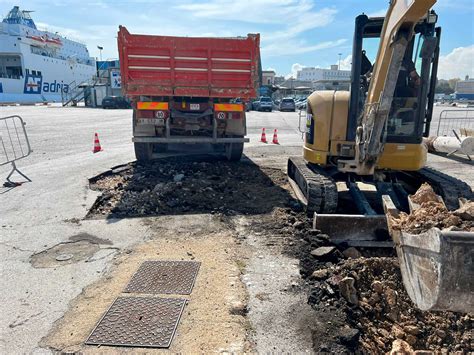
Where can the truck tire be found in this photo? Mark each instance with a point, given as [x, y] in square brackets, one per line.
[233, 151]
[143, 151]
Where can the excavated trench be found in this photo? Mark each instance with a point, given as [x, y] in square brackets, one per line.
[181, 185]
[356, 295]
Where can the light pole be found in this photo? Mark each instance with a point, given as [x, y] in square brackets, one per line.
[100, 52]
[339, 65]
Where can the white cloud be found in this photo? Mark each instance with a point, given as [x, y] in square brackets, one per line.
[346, 63]
[301, 22]
[457, 64]
[253, 11]
[270, 69]
[287, 27]
[463, 5]
[294, 70]
[297, 47]
[67, 32]
[284, 21]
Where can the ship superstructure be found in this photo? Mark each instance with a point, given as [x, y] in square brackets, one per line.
[36, 65]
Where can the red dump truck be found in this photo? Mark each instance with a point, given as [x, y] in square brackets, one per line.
[185, 90]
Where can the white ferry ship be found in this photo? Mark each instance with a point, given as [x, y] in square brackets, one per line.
[39, 66]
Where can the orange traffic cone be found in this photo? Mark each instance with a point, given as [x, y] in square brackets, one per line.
[97, 147]
[264, 136]
[275, 137]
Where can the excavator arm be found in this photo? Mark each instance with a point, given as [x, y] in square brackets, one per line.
[397, 31]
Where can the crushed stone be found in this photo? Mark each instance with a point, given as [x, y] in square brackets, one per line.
[433, 214]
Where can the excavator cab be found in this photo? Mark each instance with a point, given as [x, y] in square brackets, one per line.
[412, 105]
[331, 140]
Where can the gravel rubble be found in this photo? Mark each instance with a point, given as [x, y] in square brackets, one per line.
[360, 294]
[187, 185]
[357, 294]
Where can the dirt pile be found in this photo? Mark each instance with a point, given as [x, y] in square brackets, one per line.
[424, 194]
[360, 298]
[188, 185]
[433, 213]
[371, 292]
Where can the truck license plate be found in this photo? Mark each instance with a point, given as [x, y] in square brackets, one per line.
[194, 107]
[152, 121]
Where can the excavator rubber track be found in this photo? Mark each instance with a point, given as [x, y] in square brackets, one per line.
[319, 190]
[448, 187]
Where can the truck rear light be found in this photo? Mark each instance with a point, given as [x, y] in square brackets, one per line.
[152, 105]
[228, 107]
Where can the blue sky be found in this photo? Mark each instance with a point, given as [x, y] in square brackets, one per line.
[294, 33]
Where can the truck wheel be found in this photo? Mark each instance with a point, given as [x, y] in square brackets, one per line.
[233, 151]
[143, 151]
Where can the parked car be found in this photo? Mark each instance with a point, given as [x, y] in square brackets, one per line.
[301, 105]
[265, 104]
[287, 104]
[299, 100]
[248, 106]
[115, 102]
[255, 105]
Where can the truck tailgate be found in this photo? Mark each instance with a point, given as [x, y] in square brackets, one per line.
[187, 66]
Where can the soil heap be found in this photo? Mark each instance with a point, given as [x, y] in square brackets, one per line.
[361, 299]
[178, 185]
[433, 213]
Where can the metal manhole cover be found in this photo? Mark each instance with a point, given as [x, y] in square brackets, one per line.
[169, 277]
[139, 321]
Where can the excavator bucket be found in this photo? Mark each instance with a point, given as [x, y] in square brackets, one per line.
[437, 266]
[354, 230]
[438, 269]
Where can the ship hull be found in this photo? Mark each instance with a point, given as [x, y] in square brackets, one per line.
[39, 66]
[53, 80]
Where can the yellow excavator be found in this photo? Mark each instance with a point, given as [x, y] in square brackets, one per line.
[365, 145]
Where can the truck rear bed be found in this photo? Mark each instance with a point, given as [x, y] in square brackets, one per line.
[189, 66]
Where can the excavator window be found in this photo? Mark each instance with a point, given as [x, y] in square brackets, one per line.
[410, 103]
[404, 118]
[370, 47]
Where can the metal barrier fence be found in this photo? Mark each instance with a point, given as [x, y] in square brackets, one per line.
[14, 143]
[459, 121]
[302, 122]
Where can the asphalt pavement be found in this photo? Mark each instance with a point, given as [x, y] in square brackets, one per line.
[47, 212]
